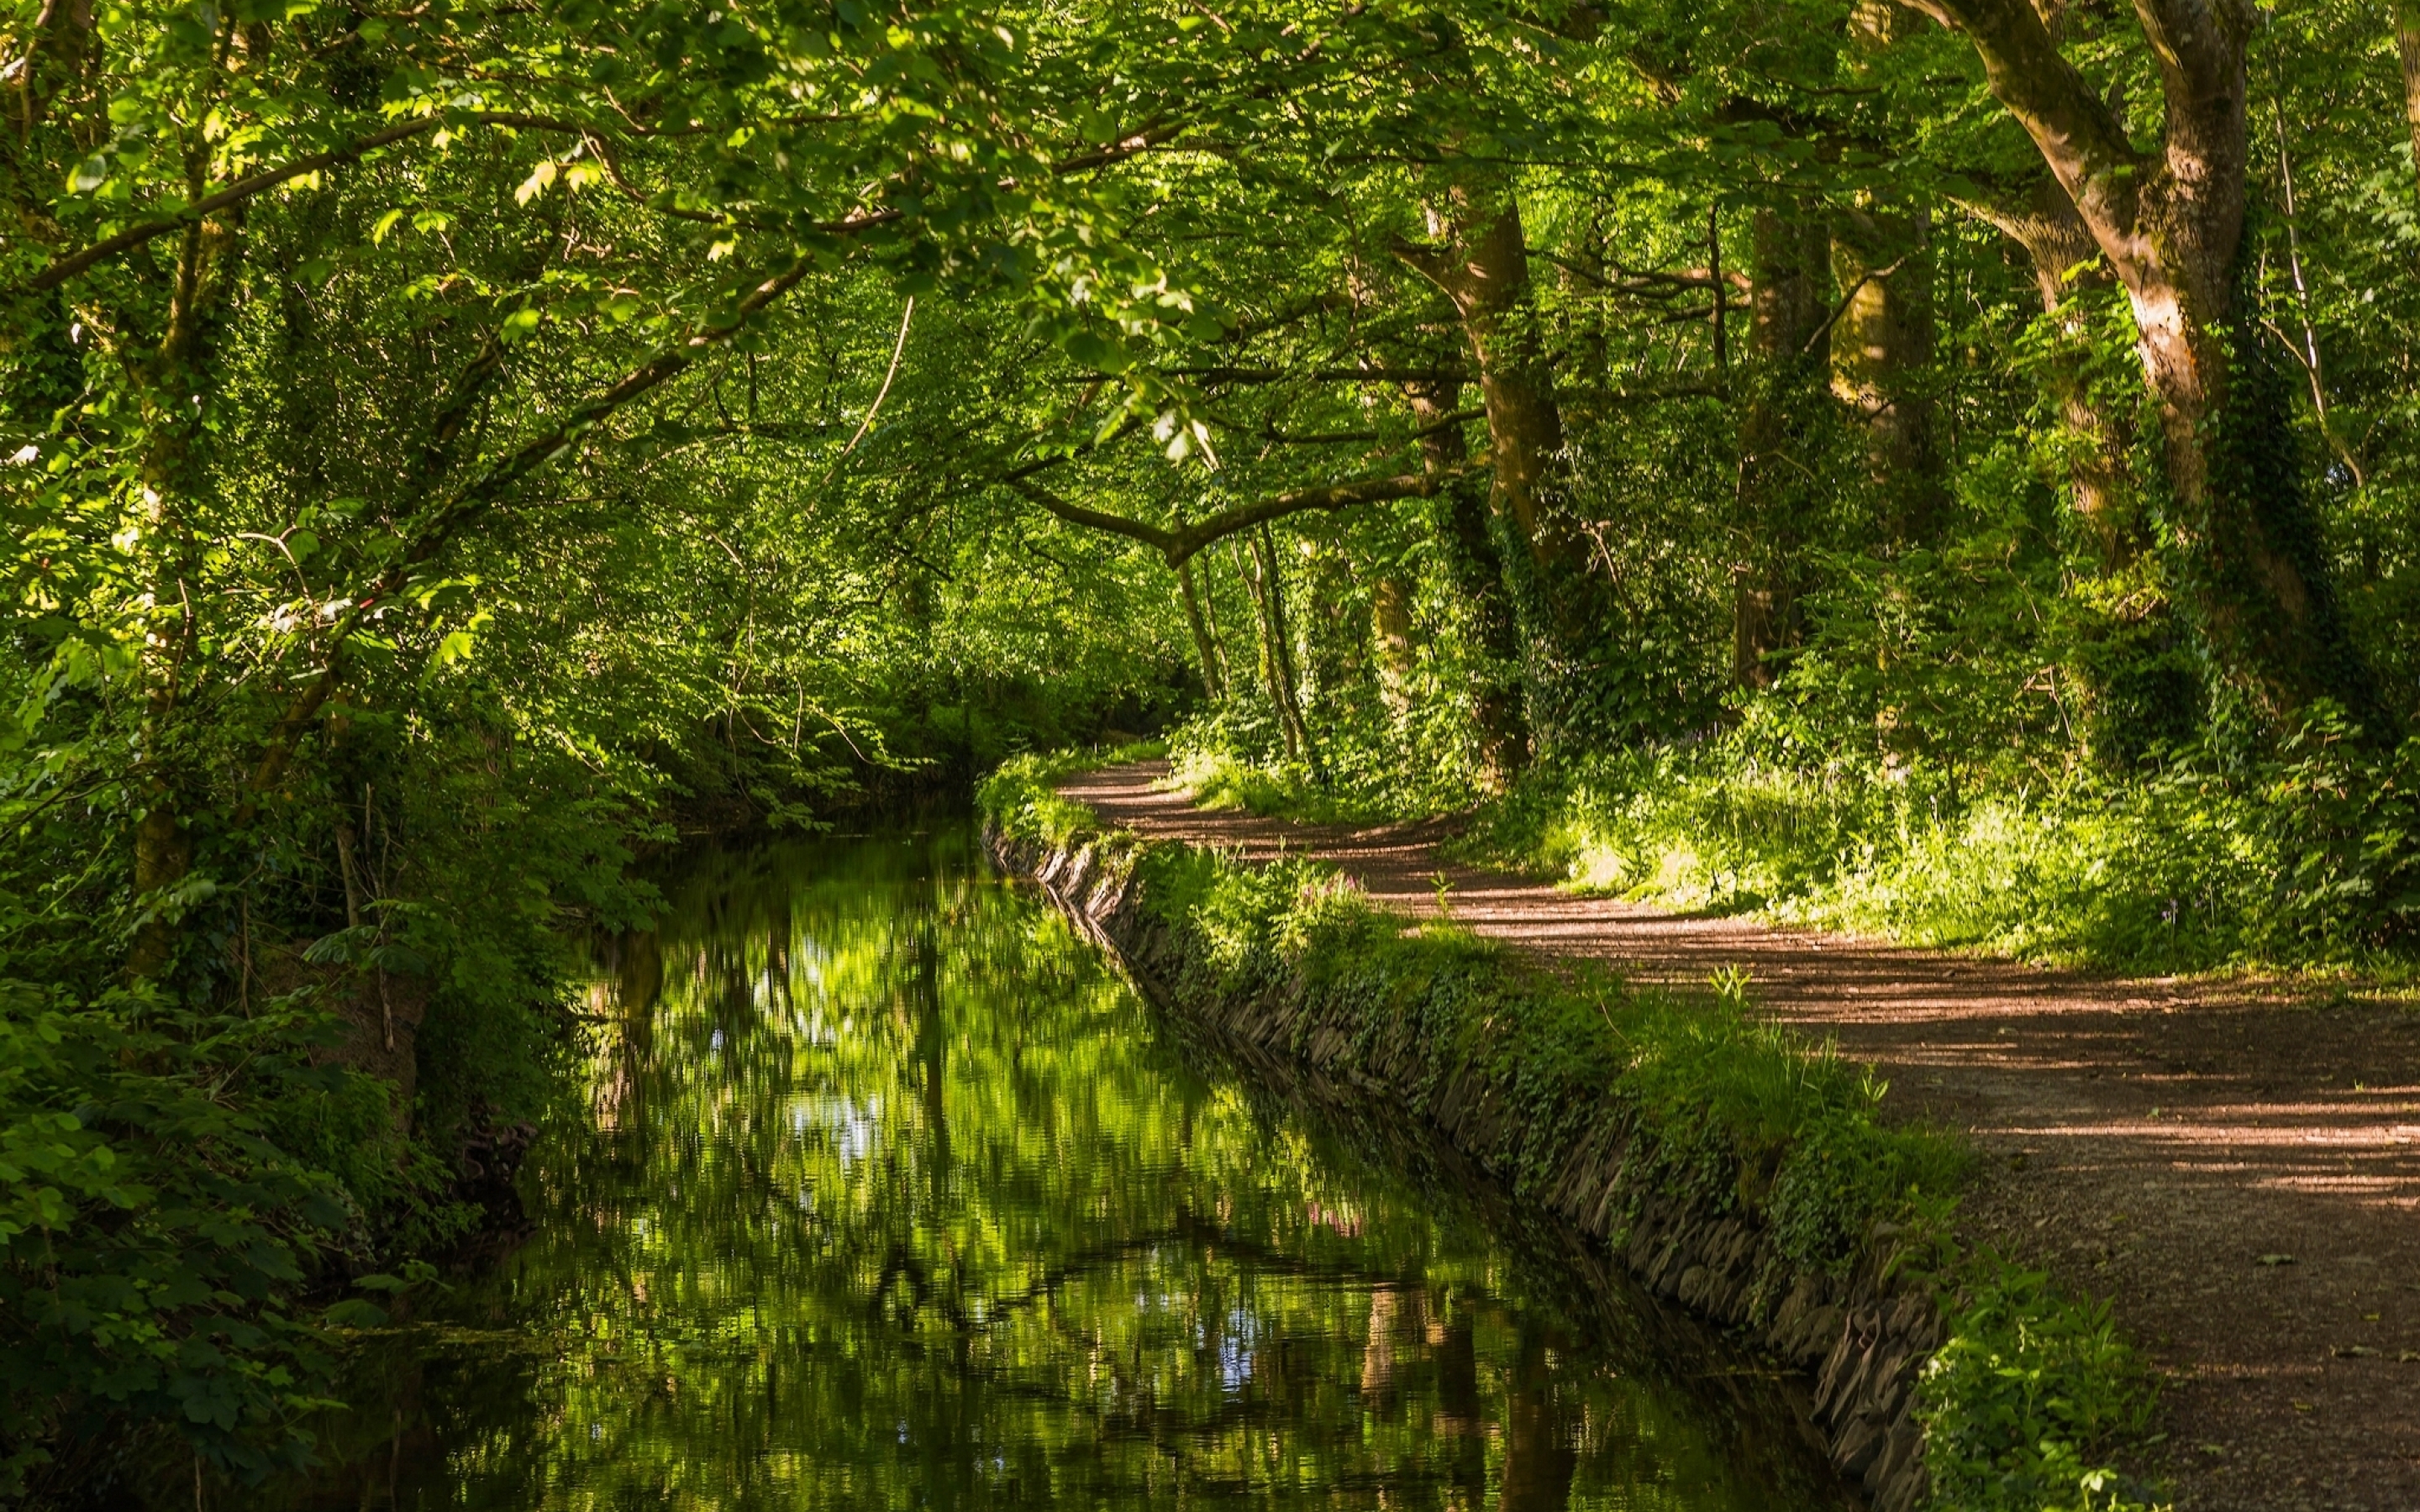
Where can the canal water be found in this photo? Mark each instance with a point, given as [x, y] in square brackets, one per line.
[886, 1192]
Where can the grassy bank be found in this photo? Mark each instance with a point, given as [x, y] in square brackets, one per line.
[2032, 1393]
[2306, 860]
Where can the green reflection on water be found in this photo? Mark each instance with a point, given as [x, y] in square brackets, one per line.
[889, 1194]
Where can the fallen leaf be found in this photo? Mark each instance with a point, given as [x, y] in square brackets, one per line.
[2353, 1351]
[2277, 1260]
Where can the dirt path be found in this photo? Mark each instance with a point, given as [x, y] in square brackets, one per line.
[2156, 1142]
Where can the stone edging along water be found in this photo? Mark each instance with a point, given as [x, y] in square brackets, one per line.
[1864, 1334]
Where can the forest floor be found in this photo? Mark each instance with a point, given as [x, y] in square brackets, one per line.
[2234, 1164]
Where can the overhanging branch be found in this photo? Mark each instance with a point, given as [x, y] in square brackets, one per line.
[438, 526]
[1182, 543]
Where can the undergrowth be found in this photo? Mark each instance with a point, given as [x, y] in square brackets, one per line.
[2306, 859]
[2311, 859]
[2032, 1391]
[1021, 794]
[1216, 779]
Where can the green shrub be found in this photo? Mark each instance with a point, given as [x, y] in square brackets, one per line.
[2026, 1382]
[155, 1238]
[1021, 796]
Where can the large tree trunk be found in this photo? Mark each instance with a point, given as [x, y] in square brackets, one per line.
[1481, 263]
[1478, 257]
[2136, 687]
[2171, 224]
[1883, 334]
[1788, 300]
[1882, 360]
[1476, 569]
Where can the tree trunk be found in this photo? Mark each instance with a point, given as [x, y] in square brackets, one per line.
[1882, 359]
[1787, 304]
[1205, 645]
[1478, 257]
[1390, 625]
[1476, 570]
[1247, 563]
[1276, 651]
[2407, 37]
[2171, 224]
[1481, 263]
[2067, 259]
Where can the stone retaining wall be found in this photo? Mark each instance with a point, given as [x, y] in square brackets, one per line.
[1862, 1336]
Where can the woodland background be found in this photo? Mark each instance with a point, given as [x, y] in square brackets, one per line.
[1943, 469]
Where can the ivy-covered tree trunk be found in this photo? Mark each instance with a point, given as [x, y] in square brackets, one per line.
[1479, 258]
[1481, 261]
[2171, 223]
[1476, 571]
[2067, 263]
[1788, 284]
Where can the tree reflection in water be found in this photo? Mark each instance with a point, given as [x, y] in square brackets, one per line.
[888, 1194]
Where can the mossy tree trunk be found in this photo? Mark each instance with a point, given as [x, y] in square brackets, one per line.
[1476, 571]
[1882, 349]
[2171, 223]
[1789, 285]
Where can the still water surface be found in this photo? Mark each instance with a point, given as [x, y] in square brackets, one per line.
[887, 1193]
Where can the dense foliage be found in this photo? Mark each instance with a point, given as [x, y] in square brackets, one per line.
[1786, 452]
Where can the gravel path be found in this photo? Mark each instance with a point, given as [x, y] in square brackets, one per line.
[2164, 1143]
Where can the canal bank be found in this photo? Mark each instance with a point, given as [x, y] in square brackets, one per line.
[1725, 1163]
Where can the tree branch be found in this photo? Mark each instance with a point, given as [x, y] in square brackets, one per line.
[69, 266]
[1181, 545]
[440, 525]
[2078, 136]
